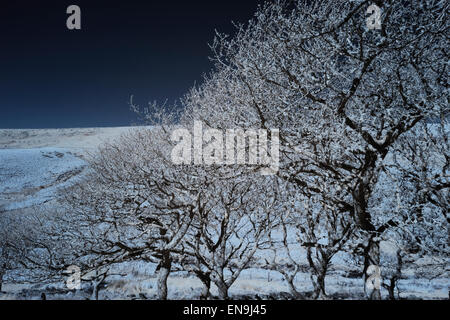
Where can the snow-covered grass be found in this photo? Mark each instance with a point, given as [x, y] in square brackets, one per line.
[73, 138]
[253, 284]
[34, 163]
[32, 176]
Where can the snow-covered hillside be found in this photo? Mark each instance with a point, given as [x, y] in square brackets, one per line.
[34, 163]
[31, 176]
[71, 138]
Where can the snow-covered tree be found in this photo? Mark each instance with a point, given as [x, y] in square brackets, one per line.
[135, 203]
[234, 220]
[310, 233]
[130, 206]
[22, 249]
[342, 94]
[415, 185]
[9, 252]
[353, 106]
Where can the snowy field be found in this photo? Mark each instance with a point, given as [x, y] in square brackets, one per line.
[31, 177]
[138, 281]
[72, 138]
[34, 164]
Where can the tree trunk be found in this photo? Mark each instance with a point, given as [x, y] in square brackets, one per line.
[95, 290]
[319, 286]
[1, 280]
[319, 270]
[205, 278]
[163, 274]
[222, 289]
[292, 289]
[394, 279]
[96, 284]
[361, 194]
[205, 290]
[391, 288]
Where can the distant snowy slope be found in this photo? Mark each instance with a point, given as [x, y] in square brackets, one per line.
[34, 163]
[80, 138]
[32, 176]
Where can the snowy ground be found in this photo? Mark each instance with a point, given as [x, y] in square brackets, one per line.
[34, 164]
[140, 283]
[31, 176]
[74, 138]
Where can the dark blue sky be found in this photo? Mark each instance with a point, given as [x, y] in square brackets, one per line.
[52, 77]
